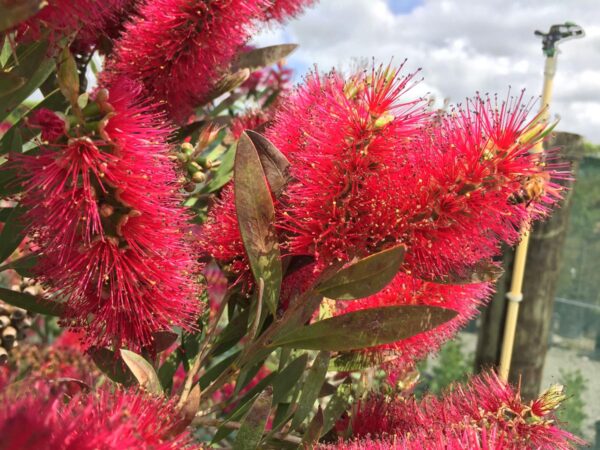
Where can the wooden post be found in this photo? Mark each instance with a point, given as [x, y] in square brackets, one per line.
[539, 287]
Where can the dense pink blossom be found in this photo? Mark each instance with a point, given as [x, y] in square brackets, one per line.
[344, 139]
[51, 125]
[486, 412]
[179, 48]
[220, 237]
[407, 290]
[282, 10]
[62, 18]
[105, 212]
[45, 418]
[468, 170]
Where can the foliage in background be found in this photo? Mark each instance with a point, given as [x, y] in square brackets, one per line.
[572, 413]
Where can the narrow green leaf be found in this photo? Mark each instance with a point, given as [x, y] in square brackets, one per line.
[6, 51]
[14, 12]
[35, 66]
[31, 303]
[336, 406]
[483, 271]
[275, 164]
[167, 370]
[364, 277]
[314, 429]
[288, 378]
[311, 388]
[112, 366]
[9, 82]
[263, 57]
[212, 373]
[23, 265]
[143, 372]
[13, 233]
[68, 77]
[256, 217]
[253, 426]
[366, 328]
[17, 141]
[357, 361]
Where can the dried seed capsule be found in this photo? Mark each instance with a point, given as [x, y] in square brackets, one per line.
[4, 321]
[9, 335]
[3, 355]
[18, 314]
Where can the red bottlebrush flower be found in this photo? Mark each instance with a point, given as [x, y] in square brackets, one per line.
[62, 18]
[51, 125]
[344, 140]
[282, 10]
[486, 411]
[252, 120]
[472, 168]
[406, 290]
[220, 238]
[106, 215]
[46, 419]
[179, 48]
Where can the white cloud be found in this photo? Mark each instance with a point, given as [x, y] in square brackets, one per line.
[463, 46]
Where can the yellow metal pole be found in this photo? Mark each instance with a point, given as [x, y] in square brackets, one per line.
[515, 295]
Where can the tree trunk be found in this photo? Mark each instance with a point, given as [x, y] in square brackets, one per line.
[539, 286]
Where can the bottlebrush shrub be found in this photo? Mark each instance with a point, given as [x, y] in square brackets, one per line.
[485, 413]
[239, 261]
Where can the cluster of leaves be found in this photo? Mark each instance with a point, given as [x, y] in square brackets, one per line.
[230, 358]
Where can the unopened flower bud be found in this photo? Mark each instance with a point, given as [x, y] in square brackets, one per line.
[208, 134]
[198, 177]
[190, 187]
[187, 148]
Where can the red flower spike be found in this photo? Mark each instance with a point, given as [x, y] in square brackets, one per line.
[106, 215]
[346, 142]
[484, 414]
[281, 10]
[406, 290]
[51, 125]
[61, 18]
[179, 48]
[47, 419]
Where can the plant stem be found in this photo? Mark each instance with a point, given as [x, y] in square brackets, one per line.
[202, 353]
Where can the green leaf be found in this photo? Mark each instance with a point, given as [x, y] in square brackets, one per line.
[253, 426]
[364, 277]
[336, 406]
[35, 66]
[288, 378]
[167, 370]
[313, 432]
[311, 388]
[31, 303]
[14, 12]
[68, 77]
[228, 83]
[216, 370]
[366, 328]
[275, 164]
[256, 217]
[13, 233]
[483, 271]
[17, 141]
[263, 57]
[357, 361]
[9, 82]
[22, 265]
[112, 366]
[143, 372]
